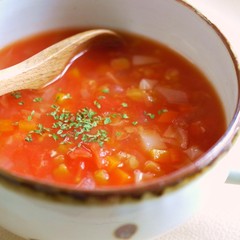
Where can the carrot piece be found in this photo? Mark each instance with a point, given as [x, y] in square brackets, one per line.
[6, 125]
[120, 176]
[113, 162]
[26, 125]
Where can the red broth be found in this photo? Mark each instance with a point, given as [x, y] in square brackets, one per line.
[118, 116]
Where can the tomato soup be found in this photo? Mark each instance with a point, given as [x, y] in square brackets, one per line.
[118, 116]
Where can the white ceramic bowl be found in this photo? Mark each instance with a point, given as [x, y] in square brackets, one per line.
[39, 212]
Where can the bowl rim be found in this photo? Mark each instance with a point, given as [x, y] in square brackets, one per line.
[156, 186]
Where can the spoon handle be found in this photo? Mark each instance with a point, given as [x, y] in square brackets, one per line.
[48, 65]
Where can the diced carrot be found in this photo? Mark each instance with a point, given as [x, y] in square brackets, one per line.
[27, 125]
[120, 176]
[136, 94]
[101, 176]
[151, 166]
[113, 162]
[121, 63]
[6, 125]
[167, 117]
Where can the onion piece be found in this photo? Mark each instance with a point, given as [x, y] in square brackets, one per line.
[138, 176]
[173, 95]
[87, 183]
[193, 152]
[139, 60]
[147, 84]
[129, 159]
[176, 136]
[151, 139]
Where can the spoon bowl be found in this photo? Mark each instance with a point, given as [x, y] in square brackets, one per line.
[50, 64]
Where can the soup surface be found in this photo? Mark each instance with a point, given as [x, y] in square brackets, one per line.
[118, 116]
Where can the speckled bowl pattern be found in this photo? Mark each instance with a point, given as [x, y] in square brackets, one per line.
[37, 211]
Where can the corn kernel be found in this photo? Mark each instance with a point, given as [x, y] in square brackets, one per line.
[101, 176]
[26, 125]
[61, 172]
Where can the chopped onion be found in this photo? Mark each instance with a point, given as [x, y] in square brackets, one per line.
[87, 183]
[151, 140]
[129, 159]
[143, 60]
[147, 84]
[172, 95]
[176, 136]
[193, 152]
[138, 176]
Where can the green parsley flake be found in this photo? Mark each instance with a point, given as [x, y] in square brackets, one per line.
[124, 104]
[105, 90]
[101, 97]
[30, 117]
[125, 116]
[134, 123]
[150, 115]
[21, 103]
[37, 99]
[162, 111]
[97, 104]
[107, 120]
[69, 126]
[16, 95]
[54, 136]
[28, 138]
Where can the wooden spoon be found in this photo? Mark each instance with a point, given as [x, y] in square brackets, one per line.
[50, 64]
